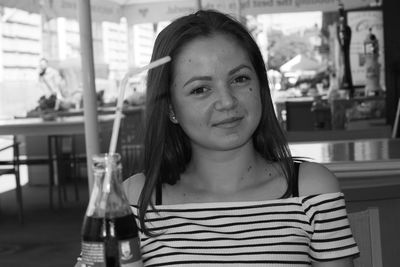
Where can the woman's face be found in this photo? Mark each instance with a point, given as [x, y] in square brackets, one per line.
[215, 93]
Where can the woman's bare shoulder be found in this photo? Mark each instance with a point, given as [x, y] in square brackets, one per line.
[133, 187]
[315, 178]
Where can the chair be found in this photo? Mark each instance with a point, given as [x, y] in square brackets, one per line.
[62, 151]
[366, 231]
[130, 141]
[131, 159]
[299, 116]
[12, 167]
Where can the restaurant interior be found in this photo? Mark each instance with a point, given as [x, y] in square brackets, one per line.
[336, 96]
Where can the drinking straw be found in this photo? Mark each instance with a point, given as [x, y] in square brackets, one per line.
[118, 112]
[118, 115]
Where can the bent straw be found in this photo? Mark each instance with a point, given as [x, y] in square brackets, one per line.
[118, 112]
[118, 115]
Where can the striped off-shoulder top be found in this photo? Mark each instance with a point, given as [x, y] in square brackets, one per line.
[284, 232]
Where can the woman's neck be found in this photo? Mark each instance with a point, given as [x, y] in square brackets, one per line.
[222, 171]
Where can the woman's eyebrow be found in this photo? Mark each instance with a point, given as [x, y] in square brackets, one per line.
[209, 78]
[236, 69]
[197, 78]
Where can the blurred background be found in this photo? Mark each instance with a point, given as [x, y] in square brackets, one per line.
[352, 129]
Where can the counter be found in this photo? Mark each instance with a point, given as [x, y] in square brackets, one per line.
[357, 163]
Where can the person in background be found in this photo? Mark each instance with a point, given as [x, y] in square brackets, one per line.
[52, 84]
[49, 79]
[219, 185]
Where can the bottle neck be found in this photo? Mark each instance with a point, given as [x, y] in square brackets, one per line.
[107, 198]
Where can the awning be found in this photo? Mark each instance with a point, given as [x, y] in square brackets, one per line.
[141, 11]
[300, 63]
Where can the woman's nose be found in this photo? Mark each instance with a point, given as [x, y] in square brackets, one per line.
[226, 100]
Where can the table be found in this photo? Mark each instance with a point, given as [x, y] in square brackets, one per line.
[346, 111]
[357, 163]
[60, 126]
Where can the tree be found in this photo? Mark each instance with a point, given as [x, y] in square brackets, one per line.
[283, 47]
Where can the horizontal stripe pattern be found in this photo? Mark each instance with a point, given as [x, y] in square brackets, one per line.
[282, 232]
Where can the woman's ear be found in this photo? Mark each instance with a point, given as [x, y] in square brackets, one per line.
[171, 115]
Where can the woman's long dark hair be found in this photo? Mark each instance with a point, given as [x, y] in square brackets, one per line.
[167, 148]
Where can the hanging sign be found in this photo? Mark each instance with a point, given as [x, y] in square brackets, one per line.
[280, 6]
[100, 10]
[158, 11]
[154, 11]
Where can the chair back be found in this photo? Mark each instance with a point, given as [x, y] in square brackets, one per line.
[130, 141]
[11, 159]
[299, 116]
[366, 230]
[11, 166]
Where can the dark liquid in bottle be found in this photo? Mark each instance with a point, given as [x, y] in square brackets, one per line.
[109, 231]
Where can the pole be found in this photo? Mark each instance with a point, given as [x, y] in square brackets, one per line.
[89, 87]
[396, 129]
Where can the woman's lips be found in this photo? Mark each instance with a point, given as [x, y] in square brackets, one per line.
[228, 122]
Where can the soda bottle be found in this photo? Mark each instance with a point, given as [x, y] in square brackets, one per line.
[109, 231]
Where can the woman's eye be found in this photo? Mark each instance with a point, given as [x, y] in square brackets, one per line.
[198, 91]
[241, 79]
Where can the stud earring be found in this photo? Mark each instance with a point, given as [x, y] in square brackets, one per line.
[172, 116]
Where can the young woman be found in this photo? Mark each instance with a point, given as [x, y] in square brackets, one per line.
[219, 186]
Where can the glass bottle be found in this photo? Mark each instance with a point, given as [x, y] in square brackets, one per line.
[109, 231]
[344, 38]
[322, 114]
[333, 91]
[372, 66]
[371, 44]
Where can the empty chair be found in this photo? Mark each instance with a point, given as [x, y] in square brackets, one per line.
[11, 166]
[367, 233]
[299, 116]
[131, 159]
[62, 151]
[130, 143]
